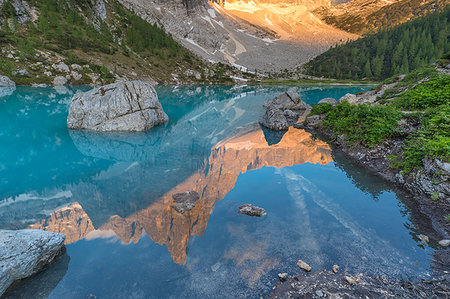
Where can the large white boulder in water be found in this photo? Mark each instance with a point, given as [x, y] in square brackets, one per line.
[25, 252]
[6, 82]
[123, 106]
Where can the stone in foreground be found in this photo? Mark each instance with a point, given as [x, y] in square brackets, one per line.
[131, 106]
[185, 201]
[26, 252]
[6, 82]
[304, 266]
[252, 210]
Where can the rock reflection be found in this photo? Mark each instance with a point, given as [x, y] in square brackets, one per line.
[238, 154]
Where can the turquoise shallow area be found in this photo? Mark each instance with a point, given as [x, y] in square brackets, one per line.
[111, 195]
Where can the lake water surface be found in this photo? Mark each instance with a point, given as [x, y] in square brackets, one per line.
[111, 195]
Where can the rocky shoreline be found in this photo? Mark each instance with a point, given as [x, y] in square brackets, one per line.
[24, 253]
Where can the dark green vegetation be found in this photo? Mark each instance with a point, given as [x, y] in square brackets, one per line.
[402, 49]
[416, 110]
[383, 18]
[122, 44]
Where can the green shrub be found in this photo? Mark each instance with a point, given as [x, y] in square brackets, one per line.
[321, 109]
[363, 123]
[432, 93]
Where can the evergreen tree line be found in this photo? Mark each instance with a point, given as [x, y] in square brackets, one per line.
[394, 51]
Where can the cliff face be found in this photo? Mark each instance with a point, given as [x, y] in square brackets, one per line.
[228, 159]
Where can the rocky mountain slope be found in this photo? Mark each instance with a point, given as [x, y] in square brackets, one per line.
[369, 16]
[92, 41]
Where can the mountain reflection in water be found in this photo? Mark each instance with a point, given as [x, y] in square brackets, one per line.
[247, 150]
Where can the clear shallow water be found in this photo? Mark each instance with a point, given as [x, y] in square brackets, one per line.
[111, 195]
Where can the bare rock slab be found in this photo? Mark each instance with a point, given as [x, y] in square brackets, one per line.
[26, 252]
[131, 106]
[252, 210]
[185, 201]
[6, 82]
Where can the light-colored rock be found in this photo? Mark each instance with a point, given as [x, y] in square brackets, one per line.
[100, 9]
[25, 252]
[76, 76]
[7, 91]
[59, 81]
[350, 98]
[48, 73]
[62, 67]
[22, 72]
[328, 101]
[76, 67]
[274, 119]
[6, 82]
[252, 210]
[319, 293]
[424, 239]
[444, 243]
[335, 268]
[123, 106]
[283, 276]
[351, 280]
[304, 266]
[35, 85]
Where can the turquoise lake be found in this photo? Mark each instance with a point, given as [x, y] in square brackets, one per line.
[111, 195]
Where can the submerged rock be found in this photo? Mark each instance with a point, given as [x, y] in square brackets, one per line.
[185, 201]
[123, 106]
[6, 82]
[283, 111]
[252, 210]
[304, 266]
[26, 252]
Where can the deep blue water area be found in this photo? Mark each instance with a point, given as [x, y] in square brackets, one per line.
[111, 195]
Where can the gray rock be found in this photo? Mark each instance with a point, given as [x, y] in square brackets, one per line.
[328, 101]
[351, 280]
[304, 266]
[123, 106]
[59, 81]
[252, 210]
[100, 9]
[314, 120]
[335, 268]
[283, 111]
[283, 276]
[319, 293]
[274, 119]
[424, 239]
[76, 76]
[350, 98]
[185, 201]
[444, 243]
[62, 67]
[22, 72]
[26, 252]
[76, 67]
[6, 82]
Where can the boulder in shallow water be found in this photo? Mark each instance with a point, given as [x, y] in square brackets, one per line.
[131, 106]
[6, 82]
[252, 210]
[283, 111]
[185, 201]
[304, 266]
[26, 252]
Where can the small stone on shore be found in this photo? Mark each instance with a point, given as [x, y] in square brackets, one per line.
[319, 293]
[283, 276]
[304, 266]
[444, 243]
[335, 268]
[424, 239]
[351, 280]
